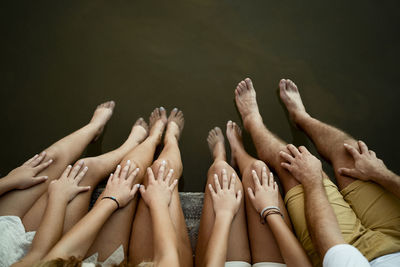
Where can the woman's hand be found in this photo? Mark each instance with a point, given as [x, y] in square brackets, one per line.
[25, 176]
[225, 199]
[366, 165]
[66, 186]
[305, 167]
[120, 185]
[266, 192]
[158, 191]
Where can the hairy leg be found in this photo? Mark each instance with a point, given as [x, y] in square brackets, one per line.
[63, 152]
[262, 241]
[98, 168]
[328, 139]
[238, 245]
[141, 242]
[116, 231]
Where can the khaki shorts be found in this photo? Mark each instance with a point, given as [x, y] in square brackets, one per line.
[368, 216]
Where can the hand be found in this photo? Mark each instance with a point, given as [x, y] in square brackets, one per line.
[366, 165]
[306, 168]
[158, 191]
[67, 185]
[266, 193]
[25, 176]
[120, 185]
[225, 199]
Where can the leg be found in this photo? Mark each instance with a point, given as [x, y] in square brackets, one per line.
[98, 168]
[141, 242]
[262, 241]
[238, 245]
[63, 152]
[111, 237]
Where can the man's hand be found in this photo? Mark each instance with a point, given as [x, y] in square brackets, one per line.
[225, 199]
[305, 167]
[366, 165]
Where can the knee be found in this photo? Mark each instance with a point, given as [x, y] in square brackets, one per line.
[217, 167]
[169, 165]
[257, 166]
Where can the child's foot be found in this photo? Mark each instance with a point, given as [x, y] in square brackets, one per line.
[158, 120]
[290, 96]
[101, 116]
[246, 102]
[216, 143]
[175, 125]
[234, 134]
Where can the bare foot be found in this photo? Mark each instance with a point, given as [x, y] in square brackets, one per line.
[176, 122]
[290, 96]
[101, 116]
[246, 102]
[234, 134]
[216, 143]
[158, 120]
[140, 130]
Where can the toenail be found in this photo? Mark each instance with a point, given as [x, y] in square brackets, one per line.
[162, 108]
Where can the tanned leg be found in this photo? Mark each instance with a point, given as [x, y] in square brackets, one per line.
[63, 152]
[328, 139]
[238, 245]
[117, 229]
[98, 168]
[141, 242]
[262, 242]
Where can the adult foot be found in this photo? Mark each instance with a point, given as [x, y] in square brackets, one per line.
[216, 143]
[140, 130]
[158, 120]
[245, 97]
[101, 116]
[234, 134]
[290, 96]
[175, 124]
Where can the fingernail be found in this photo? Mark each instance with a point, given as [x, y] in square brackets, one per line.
[46, 177]
[128, 162]
[51, 160]
[176, 180]
[253, 171]
[137, 169]
[118, 166]
[163, 162]
[86, 168]
[138, 185]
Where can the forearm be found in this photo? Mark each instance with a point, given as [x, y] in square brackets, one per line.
[164, 234]
[321, 220]
[79, 239]
[218, 242]
[6, 185]
[390, 181]
[291, 250]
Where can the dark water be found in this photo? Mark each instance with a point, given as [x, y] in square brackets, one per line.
[59, 59]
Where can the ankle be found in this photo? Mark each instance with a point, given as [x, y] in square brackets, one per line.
[252, 120]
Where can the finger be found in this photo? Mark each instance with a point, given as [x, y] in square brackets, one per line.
[238, 196]
[125, 170]
[225, 184]
[76, 169]
[271, 179]
[134, 190]
[216, 183]
[83, 189]
[286, 156]
[233, 182]
[255, 179]
[173, 185]
[286, 166]
[43, 166]
[295, 152]
[264, 176]
[30, 160]
[251, 194]
[66, 171]
[132, 176]
[303, 149]
[38, 159]
[169, 176]
[80, 176]
[348, 172]
[372, 153]
[117, 171]
[363, 147]
[276, 186]
[150, 175]
[211, 190]
[40, 179]
[161, 171]
[142, 190]
[353, 152]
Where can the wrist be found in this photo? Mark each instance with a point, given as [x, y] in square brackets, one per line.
[108, 204]
[224, 215]
[57, 196]
[383, 175]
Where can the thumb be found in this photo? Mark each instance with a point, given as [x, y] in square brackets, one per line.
[239, 197]
[135, 189]
[142, 189]
[251, 194]
[39, 180]
[348, 172]
[83, 189]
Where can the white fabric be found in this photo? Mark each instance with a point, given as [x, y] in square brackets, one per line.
[114, 259]
[259, 264]
[390, 260]
[14, 241]
[344, 255]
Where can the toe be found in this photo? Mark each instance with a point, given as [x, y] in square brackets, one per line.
[249, 83]
[282, 84]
